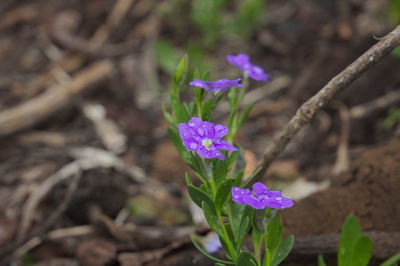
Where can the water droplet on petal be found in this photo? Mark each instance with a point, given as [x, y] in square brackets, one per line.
[193, 145]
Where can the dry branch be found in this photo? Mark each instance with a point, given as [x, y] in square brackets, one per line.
[35, 110]
[308, 110]
[386, 244]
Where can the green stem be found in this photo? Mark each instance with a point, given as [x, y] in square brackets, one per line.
[231, 249]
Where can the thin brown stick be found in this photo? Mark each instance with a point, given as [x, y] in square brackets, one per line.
[35, 110]
[308, 110]
[386, 244]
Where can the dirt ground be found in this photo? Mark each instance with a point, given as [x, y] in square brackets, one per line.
[88, 175]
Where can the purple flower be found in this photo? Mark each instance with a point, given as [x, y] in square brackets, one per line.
[242, 61]
[261, 198]
[219, 85]
[211, 243]
[205, 138]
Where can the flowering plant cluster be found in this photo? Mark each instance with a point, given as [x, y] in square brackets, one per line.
[232, 210]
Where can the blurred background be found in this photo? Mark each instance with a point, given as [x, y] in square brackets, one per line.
[88, 175]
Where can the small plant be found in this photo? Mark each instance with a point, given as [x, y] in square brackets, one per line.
[232, 210]
[355, 248]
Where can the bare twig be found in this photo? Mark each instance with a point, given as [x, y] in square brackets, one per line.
[342, 156]
[81, 230]
[308, 110]
[380, 103]
[385, 244]
[35, 110]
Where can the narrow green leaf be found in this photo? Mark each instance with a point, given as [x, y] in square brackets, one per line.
[198, 245]
[181, 70]
[362, 251]
[168, 116]
[198, 196]
[284, 249]
[179, 111]
[166, 55]
[246, 259]
[243, 116]
[220, 168]
[239, 211]
[188, 180]
[223, 193]
[274, 235]
[321, 261]
[211, 217]
[349, 234]
[242, 232]
[392, 260]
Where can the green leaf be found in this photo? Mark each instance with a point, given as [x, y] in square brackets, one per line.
[211, 217]
[166, 55]
[179, 111]
[244, 115]
[396, 52]
[321, 261]
[198, 196]
[220, 168]
[362, 251]
[188, 180]
[274, 235]
[284, 249]
[392, 260]
[349, 234]
[181, 71]
[239, 211]
[222, 193]
[242, 232]
[246, 259]
[198, 245]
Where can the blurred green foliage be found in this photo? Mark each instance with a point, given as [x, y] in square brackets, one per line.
[394, 12]
[394, 19]
[197, 27]
[355, 248]
[392, 118]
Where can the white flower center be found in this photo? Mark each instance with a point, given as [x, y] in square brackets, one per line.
[207, 143]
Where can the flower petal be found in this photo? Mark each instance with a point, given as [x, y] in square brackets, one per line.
[238, 60]
[279, 202]
[224, 145]
[200, 83]
[259, 188]
[220, 130]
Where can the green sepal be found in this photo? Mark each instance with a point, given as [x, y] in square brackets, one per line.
[198, 245]
[246, 259]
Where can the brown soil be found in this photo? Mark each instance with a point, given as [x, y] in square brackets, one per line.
[369, 190]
